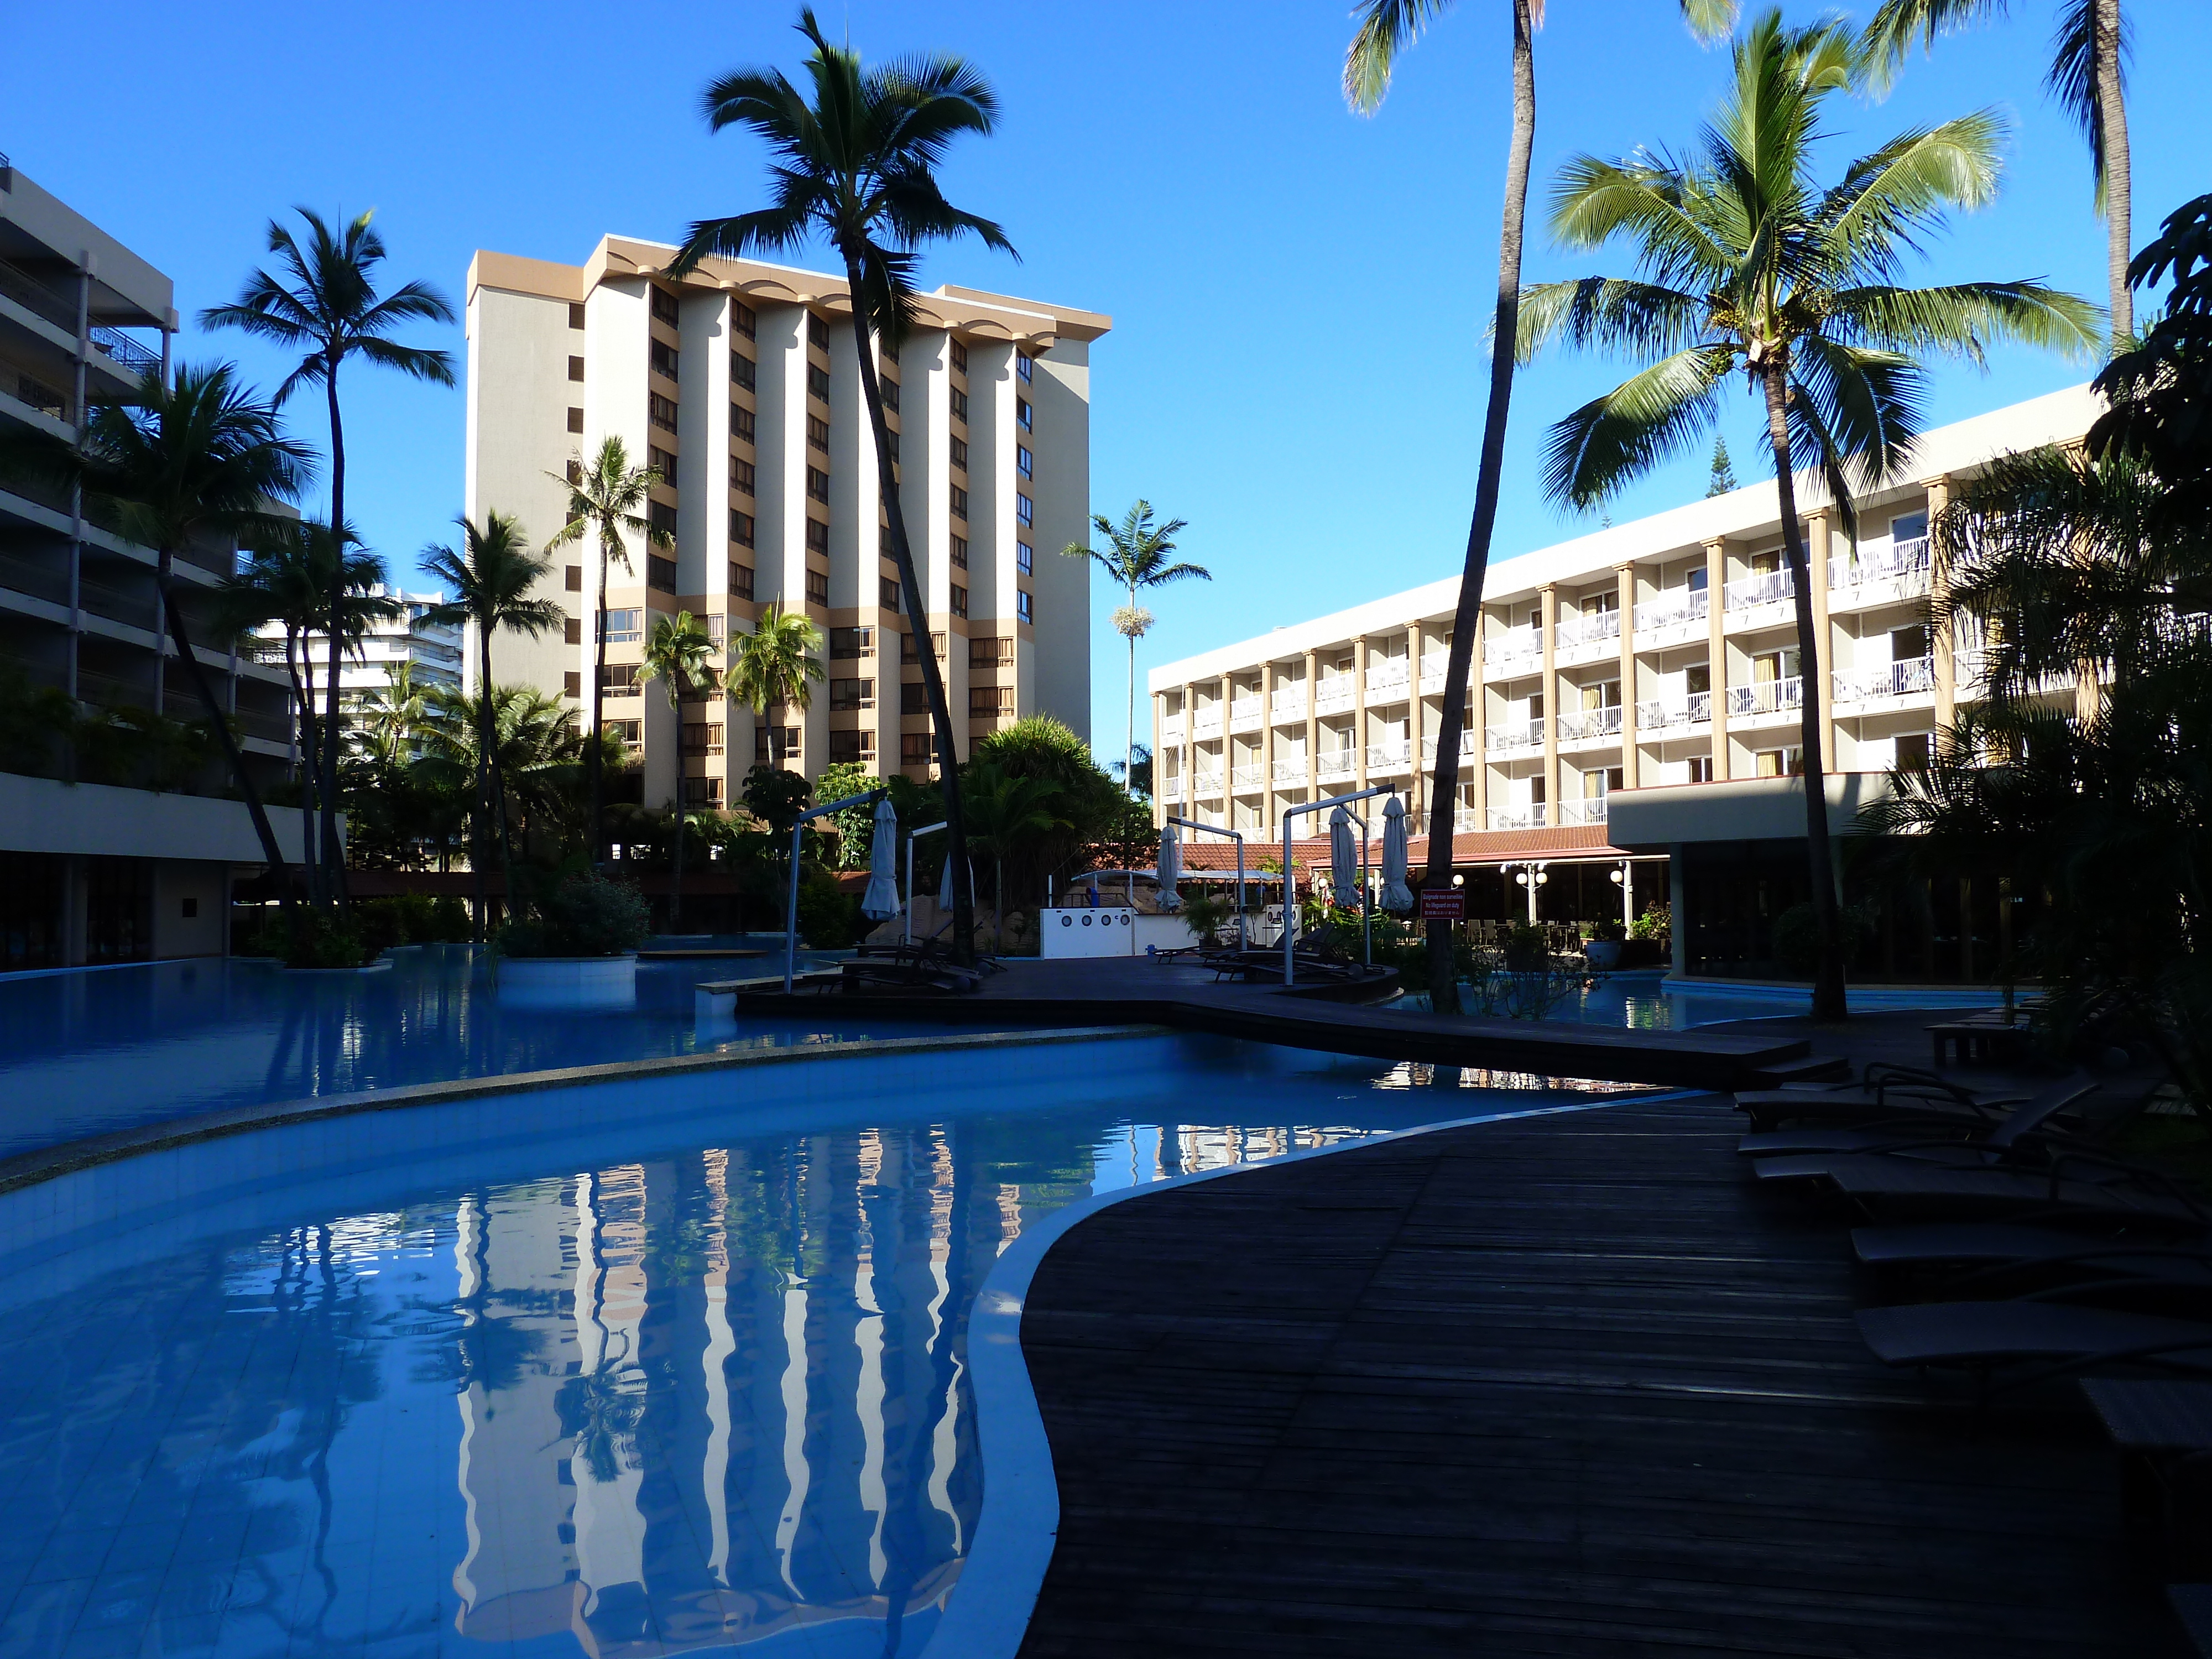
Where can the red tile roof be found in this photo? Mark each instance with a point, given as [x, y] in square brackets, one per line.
[1478, 847]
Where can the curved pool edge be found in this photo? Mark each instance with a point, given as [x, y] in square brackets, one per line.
[989, 1610]
[31, 1169]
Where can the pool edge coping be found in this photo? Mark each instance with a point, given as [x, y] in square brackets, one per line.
[1017, 1529]
[27, 1169]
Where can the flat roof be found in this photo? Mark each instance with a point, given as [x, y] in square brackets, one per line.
[46, 237]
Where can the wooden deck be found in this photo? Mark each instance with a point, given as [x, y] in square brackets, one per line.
[1116, 991]
[1563, 1386]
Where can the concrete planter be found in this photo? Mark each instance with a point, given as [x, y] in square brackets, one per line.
[575, 983]
[382, 965]
[1603, 954]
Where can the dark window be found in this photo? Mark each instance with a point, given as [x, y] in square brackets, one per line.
[791, 738]
[660, 518]
[741, 370]
[817, 433]
[988, 702]
[741, 475]
[883, 542]
[741, 527]
[907, 650]
[703, 792]
[852, 748]
[660, 411]
[817, 537]
[1022, 413]
[664, 360]
[960, 552]
[576, 420]
[660, 573]
[817, 484]
[1023, 612]
[1024, 558]
[620, 680]
[988, 651]
[914, 698]
[959, 358]
[1024, 365]
[575, 471]
[623, 627]
[817, 382]
[817, 332]
[818, 587]
[741, 581]
[887, 593]
[959, 600]
[959, 502]
[576, 369]
[575, 578]
[1913, 751]
[664, 305]
[891, 395]
[847, 695]
[575, 316]
[1025, 509]
[702, 738]
[960, 454]
[747, 324]
[892, 440]
[847, 644]
[915, 749]
[741, 423]
[959, 404]
[572, 685]
[1025, 463]
[661, 462]
[573, 630]
[1701, 768]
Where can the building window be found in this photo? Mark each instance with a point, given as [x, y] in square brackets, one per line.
[660, 573]
[959, 502]
[572, 630]
[660, 411]
[817, 433]
[741, 423]
[623, 627]
[574, 577]
[907, 653]
[891, 443]
[660, 518]
[891, 390]
[1025, 509]
[960, 552]
[576, 369]
[959, 404]
[990, 702]
[818, 587]
[1913, 751]
[718, 628]
[914, 697]
[741, 370]
[817, 484]
[1025, 558]
[702, 792]
[627, 733]
[849, 644]
[1024, 365]
[1701, 768]
[572, 685]
[664, 360]
[661, 462]
[1024, 611]
[741, 475]
[817, 332]
[576, 420]
[817, 537]
[791, 740]
[848, 697]
[887, 592]
[741, 581]
[1024, 416]
[1025, 463]
[817, 382]
[960, 454]
[959, 358]
[573, 469]
[702, 738]
[852, 748]
[575, 316]
[989, 651]
[959, 600]
[664, 306]
[741, 527]
[1780, 763]
[741, 316]
[916, 750]
[620, 679]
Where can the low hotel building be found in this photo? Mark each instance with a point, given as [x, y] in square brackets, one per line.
[741, 384]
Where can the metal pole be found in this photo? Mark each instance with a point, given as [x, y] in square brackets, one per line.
[1290, 871]
[913, 836]
[1241, 943]
[1628, 892]
[791, 909]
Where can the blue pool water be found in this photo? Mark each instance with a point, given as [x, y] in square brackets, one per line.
[1641, 1002]
[81, 1053]
[637, 1369]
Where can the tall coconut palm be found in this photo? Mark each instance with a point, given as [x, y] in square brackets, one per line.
[1387, 28]
[607, 498]
[491, 578]
[1008, 814]
[680, 654]
[2087, 77]
[773, 666]
[1137, 555]
[195, 462]
[1753, 268]
[325, 304]
[392, 719]
[857, 165]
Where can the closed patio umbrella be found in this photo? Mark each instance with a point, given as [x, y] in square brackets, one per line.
[1397, 897]
[882, 900]
[945, 882]
[1343, 858]
[1170, 868]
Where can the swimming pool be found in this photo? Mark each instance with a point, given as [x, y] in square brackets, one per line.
[635, 1368]
[1643, 1001]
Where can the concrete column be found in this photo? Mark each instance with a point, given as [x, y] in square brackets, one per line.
[1417, 720]
[1267, 745]
[75, 911]
[1678, 936]
[77, 493]
[1189, 752]
[1360, 712]
[1625, 576]
[1816, 558]
[1548, 621]
[1475, 757]
[1716, 623]
[1313, 729]
[1940, 642]
[1159, 765]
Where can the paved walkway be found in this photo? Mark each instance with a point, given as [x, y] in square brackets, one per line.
[1564, 1386]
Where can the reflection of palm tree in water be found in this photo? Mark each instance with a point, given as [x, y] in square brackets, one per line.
[600, 1409]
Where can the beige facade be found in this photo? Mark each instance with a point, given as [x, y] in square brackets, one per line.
[1660, 651]
[741, 383]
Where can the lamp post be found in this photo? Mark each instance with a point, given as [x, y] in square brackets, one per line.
[1625, 878]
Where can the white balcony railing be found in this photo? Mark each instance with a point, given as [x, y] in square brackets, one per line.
[1593, 628]
[1433, 669]
[1676, 607]
[1290, 772]
[1905, 563]
[1517, 817]
[1396, 756]
[1290, 705]
[1514, 734]
[1590, 809]
[1585, 723]
[1891, 679]
[1334, 695]
[1766, 698]
[1243, 778]
[1206, 723]
[1338, 763]
[1658, 714]
[1770, 588]
[1171, 730]
[1208, 785]
[1513, 645]
[1388, 682]
[1246, 711]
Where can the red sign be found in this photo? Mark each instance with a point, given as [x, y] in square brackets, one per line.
[1443, 904]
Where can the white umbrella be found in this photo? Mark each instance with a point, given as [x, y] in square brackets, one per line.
[1170, 868]
[1343, 858]
[882, 901]
[1397, 897]
[945, 882]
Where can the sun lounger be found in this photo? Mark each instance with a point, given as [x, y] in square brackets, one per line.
[2056, 1338]
[1935, 1244]
[2071, 1187]
[2162, 1430]
[1885, 1091]
[2031, 1117]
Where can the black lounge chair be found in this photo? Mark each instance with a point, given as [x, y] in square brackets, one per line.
[1885, 1091]
[2162, 1429]
[1938, 1244]
[2055, 1337]
[1905, 1134]
[2069, 1186]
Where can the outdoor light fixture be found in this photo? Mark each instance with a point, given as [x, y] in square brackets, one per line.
[1459, 880]
[1616, 878]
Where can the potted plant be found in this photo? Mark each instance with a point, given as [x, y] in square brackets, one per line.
[1528, 948]
[574, 945]
[1602, 948]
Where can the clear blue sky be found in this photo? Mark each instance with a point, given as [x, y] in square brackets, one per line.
[1297, 365]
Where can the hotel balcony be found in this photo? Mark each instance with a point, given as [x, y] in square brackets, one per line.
[1245, 712]
[1590, 725]
[1517, 817]
[1513, 646]
[1766, 698]
[1387, 757]
[1207, 785]
[1434, 668]
[1514, 734]
[1171, 731]
[1289, 705]
[1337, 764]
[1206, 723]
[1248, 780]
[1881, 573]
[1290, 774]
[1674, 615]
[1586, 638]
[1334, 695]
[1590, 809]
[1391, 682]
[1756, 593]
[1656, 715]
[1466, 821]
[1884, 681]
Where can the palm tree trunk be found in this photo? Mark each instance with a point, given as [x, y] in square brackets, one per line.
[1829, 1002]
[932, 681]
[303, 730]
[180, 636]
[333, 856]
[2119, 207]
[676, 885]
[1467, 617]
[592, 744]
[1130, 762]
[999, 903]
[476, 848]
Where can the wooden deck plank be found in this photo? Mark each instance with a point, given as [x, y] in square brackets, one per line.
[1568, 1385]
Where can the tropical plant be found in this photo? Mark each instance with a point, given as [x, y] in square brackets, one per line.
[1137, 554]
[680, 653]
[856, 825]
[1722, 479]
[2087, 77]
[606, 501]
[857, 165]
[326, 306]
[773, 666]
[1751, 267]
[1008, 815]
[491, 576]
[1095, 814]
[2159, 393]
[584, 914]
[391, 718]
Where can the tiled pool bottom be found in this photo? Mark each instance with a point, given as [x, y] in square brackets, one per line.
[631, 1370]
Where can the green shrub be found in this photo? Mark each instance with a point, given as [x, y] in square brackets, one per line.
[411, 918]
[829, 917]
[586, 914]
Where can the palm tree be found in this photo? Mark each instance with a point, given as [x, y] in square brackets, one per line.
[607, 502]
[680, 654]
[198, 461]
[771, 667]
[1138, 558]
[1008, 813]
[859, 166]
[1387, 27]
[331, 312]
[491, 579]
[2087, 77]
[1754, 268]
[392, 718]
[535, 754]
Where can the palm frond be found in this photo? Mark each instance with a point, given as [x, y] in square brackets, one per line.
[1651, 203]
[2072, 80]
[1649, 416]
[1642, 319]
[1961, 318]
[1386, 28]
[1898, 25]
[1888, 198]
